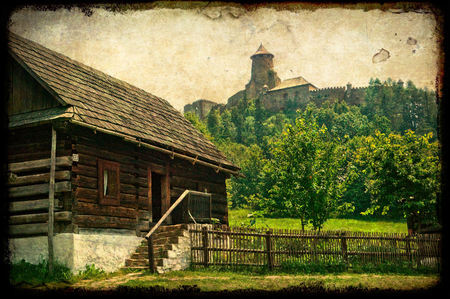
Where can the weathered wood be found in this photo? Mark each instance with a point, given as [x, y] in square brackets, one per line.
[37, 218]
[205, 246]
[151, 259]
[143, 226]
[34, 154]
[91, 195]
[65, 161]
[31, 190]
[14, 180]
[28, 229]
[28, 206]
[51, 201]
[86, 208]
[94, 221]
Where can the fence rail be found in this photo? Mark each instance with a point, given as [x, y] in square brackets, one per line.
[271, 248]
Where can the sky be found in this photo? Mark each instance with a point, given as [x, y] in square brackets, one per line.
[183, 55]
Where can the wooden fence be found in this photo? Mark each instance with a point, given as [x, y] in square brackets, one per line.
[259, 247]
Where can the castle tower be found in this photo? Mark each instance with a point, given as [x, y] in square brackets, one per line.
[262, 73]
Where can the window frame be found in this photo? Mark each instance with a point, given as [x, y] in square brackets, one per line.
[112, 200]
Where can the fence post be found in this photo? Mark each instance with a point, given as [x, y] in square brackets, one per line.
[205, 246]
[344, 247]
[408, 248]
[269, 249]
[151, 256]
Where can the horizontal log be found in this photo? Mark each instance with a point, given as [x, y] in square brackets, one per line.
[143, 226]
[65, 161]
[108, 154]
[28, 229]
[143, 202]
[143, 214]
[42, 217]
[85, 208]
[34, 154]
[147, 155]
[31, 190]
[89, 160]
[183, 183]
[91, 221]
[89, 182]
[91, 195]
[30, 205]
[197, 184]
[92, 173]
[198, 172]
[14, 180]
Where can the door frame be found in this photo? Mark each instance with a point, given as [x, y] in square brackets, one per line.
[165, 187]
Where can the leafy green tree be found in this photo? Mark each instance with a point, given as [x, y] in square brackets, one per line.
[251, 161]
[198, 124]
[406, 108]
[214, 122]
[305, 173]
[401, 176]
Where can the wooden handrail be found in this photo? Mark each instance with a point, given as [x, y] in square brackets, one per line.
[151, 258]
[175, 204]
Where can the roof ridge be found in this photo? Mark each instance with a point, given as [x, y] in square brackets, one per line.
[104, 101]
[88, 68]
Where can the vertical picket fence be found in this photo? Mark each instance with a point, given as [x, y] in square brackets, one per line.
[270, 248]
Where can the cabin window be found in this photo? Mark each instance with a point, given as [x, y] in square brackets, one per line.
[108, 182]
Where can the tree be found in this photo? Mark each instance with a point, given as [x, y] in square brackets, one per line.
[304, 174]
[198, 124]
[251, 161]
[401, 176]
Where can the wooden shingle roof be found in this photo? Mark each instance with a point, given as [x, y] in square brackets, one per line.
[99, 100]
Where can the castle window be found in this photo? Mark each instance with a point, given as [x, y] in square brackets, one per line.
[108, 182]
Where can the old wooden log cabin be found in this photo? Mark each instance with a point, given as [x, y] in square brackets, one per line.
[120, 156]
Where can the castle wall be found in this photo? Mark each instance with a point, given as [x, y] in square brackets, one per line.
[277, 100]
[333, 94]
[356, 96]
[200, 107]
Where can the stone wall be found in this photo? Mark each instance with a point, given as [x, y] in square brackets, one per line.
[200, 107]
[277, 100]
[106, 249]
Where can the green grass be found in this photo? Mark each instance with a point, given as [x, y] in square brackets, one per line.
[238, 217]
[210, 280]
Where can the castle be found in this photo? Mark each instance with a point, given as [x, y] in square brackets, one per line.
[277, 95]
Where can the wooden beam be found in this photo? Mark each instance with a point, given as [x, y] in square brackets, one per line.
[39, 218]
[30, 190]
[28, 229]
[28, 205]
[14, 180]
[51, 201]
[39, 164]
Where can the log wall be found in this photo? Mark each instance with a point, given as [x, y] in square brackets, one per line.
[134, 211]
[28, 182]
[77, 201]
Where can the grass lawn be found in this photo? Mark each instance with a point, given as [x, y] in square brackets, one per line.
[210, 280]
[238, 217]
